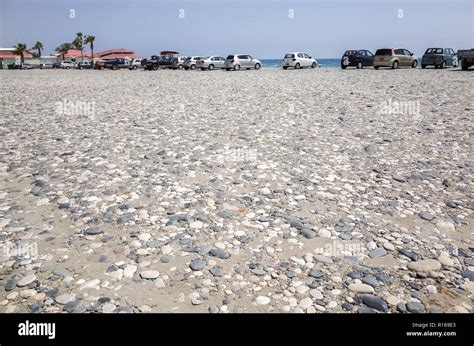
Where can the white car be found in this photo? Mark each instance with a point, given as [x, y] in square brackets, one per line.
[135, 64]
[299, 60]
[238, 61]
[210, 62]
[190, 62]
[67, 64]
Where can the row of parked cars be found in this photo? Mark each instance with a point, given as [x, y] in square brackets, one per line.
[231, 62]
[400, 57]
[212, 62]
[386, 57]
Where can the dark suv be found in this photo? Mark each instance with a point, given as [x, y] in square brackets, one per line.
[157, 61]
[357, 58]
[115, 64]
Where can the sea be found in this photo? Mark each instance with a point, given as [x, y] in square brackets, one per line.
[276, 63]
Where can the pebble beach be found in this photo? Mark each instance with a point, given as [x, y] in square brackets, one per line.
[318, 190]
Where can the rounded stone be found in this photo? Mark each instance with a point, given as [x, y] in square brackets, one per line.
[361, 288]
[262, 300]
[149, 274]
[28, 279]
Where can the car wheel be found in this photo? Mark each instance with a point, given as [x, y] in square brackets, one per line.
[297, 66]
[180, 67]
[414, 64]
[227, 69]
[313, 65]
[193, 67]
[343, 66]
[115, 67]
[211, 67]
[285, 67]
[257, 66]
[236, 67]
[423, 66]
[376, 67]
[155, 67]
[443, 65]
[360, 65]
[135, 67]
[395, 64]
[464, 65]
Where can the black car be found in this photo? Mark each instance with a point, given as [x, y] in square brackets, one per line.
[115, 64]
[357, 58]
[157, 61]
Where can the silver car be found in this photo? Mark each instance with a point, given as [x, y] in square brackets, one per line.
[238, 61]
[190, 62]
[178, 63]
[210, 62]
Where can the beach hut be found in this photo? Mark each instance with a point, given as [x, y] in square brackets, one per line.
[170, 53]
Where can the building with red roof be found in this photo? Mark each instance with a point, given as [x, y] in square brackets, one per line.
[116, 53]
[7, 57]
[75, 54]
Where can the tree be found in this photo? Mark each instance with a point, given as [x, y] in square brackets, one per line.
[38, 46]
[64, 48]
[78, 43]
[90, 41]
[20, 49]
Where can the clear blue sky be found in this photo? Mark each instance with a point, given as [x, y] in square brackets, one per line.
[262, 28]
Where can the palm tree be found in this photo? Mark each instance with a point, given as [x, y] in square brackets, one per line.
[90, 41]
[78, 43]
[39, 46]
[20, 49]
[64, 48]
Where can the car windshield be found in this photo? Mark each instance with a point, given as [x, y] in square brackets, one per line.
[206, 58]
[383, 52]
[289, 56]
[230, 57]
[434, 51]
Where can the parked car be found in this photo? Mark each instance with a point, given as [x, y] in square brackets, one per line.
[439, 58]
[99, 64]
[190, 62]
[67, 64]
[299, 60]
[117, 63]
[394, 58]
[44, 66]
[210, 62]
[56, 65]
[178, 63]
[135, 64]
[357, 58]
[467, 58]
[84, 65]
[156, 61]
[26, 66]
[238, 61]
